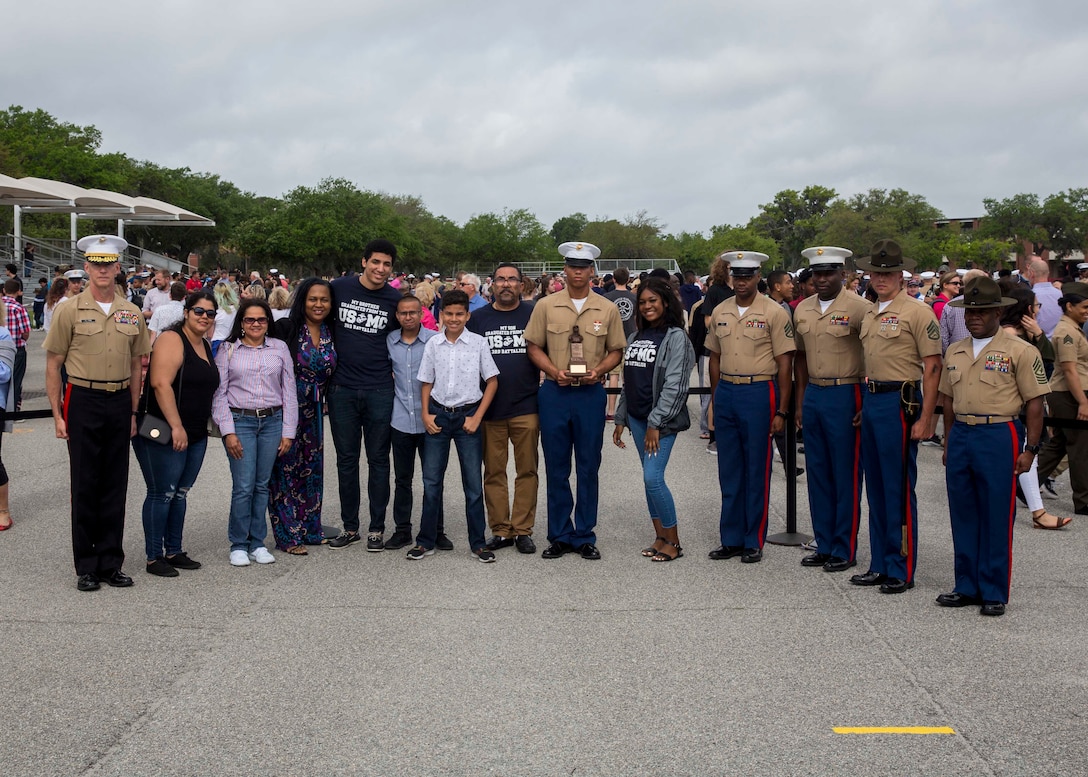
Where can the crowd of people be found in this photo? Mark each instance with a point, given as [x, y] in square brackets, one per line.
[408, 368]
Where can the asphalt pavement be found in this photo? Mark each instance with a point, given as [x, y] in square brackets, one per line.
[349, 662]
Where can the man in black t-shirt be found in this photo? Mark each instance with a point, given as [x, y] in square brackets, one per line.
[512, 417]
[361, 395]
[625, 302]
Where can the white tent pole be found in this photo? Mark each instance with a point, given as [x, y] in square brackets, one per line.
[121, 228]
[19, 229]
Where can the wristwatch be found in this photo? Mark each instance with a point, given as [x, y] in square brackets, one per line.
[1033, 449]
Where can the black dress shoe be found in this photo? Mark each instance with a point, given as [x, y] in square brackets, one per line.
[836, 564]
[87, 582]
[992, 609]
[442, 542]
[556, 549]
[815, 560]
[723, 552]
[589, 551]
[524, 543]
[751, 556]
[117, 579]
[497, 542]
[956, 599]
[893, 585]
[869, 578]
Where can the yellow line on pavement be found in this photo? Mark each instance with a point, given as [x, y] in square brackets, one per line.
[893, 730]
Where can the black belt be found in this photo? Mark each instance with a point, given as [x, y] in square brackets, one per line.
[886, 386]
[458, 409]
[260, 412]
[109, 386]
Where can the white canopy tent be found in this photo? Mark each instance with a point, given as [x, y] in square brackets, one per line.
[39, 195]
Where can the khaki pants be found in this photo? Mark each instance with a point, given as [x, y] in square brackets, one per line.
[523, 432]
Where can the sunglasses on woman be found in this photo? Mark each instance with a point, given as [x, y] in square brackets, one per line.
[201, 312]
[251, 321]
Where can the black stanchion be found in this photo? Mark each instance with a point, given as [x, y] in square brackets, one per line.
[790, 536]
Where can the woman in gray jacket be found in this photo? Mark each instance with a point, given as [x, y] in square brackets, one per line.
[656, 374]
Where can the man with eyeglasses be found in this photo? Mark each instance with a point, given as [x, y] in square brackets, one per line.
[470, 285]
[512, 418]
[361, 394]
[406, 347]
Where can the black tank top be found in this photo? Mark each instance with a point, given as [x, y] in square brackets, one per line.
[197, 381]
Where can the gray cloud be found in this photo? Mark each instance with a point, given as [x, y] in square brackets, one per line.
[696, 112]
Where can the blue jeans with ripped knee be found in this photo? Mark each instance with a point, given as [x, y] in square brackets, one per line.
[169, 475]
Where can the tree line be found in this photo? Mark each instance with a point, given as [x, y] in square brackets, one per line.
[322, 229]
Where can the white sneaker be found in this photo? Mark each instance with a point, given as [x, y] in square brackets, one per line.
[239, 558]
[262, 556]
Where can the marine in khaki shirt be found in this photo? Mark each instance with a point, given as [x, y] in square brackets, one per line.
[98, 346]
[829, 341]
[899, 337]
[987, 379]
[552, 323]
[1070, 347]
[747, 344]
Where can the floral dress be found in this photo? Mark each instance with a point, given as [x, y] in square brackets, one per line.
[298, 477]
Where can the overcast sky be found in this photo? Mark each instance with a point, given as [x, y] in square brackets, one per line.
[696, 112]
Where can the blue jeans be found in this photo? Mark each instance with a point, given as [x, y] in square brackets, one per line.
[658, 497]
[260, 438]
[169, 475]
[406, 447]
[436, 454]
[358, 417]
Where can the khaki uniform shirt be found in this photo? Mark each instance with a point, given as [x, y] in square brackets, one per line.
[748, 344]
[98, 346]
[1006, 374]
[831, 340]
[1070, 345]
[553, 321]
[897, 340]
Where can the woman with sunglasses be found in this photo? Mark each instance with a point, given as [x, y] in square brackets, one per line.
[256, 408]
[182, 378]
[950, 284]
[298, 477]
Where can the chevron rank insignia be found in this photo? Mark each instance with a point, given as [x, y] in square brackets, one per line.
[933, 331]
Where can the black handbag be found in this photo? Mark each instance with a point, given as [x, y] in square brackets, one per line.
[152, 427]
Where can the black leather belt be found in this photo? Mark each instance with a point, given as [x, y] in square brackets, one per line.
[458, 409]
[260, 412]
[886, 386]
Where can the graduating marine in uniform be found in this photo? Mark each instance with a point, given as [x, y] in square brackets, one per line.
[830, 372]
[750, 340]
[901, 342]
[99, 338]
[572, 397]
[987, 379]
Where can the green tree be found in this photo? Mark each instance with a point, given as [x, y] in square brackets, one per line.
[511, 236]
[636, 237]
[793, 219]
[860, 221]
[1018, 218]
[568, 228]
[727, 237]
[1065, 218]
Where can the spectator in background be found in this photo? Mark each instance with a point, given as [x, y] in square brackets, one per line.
[18, 324]
[279, 301]
[39, 302]
[950, 283]
[718, 292]
[690, 291]
[804, 287]
[624, 300]
[953, 328]
[227, 300]
[158, 294]
[13, 274]
[7, 406]
[57, 292]
[169, 313]
[470, 285]
[1037, 273]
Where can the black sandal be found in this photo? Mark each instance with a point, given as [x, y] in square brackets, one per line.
[662, 557]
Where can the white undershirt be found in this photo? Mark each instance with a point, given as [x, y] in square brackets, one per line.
[825, 304]
[579, 303]
[741, 310]
[105, 306]
[980, 345]
[882, 306]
